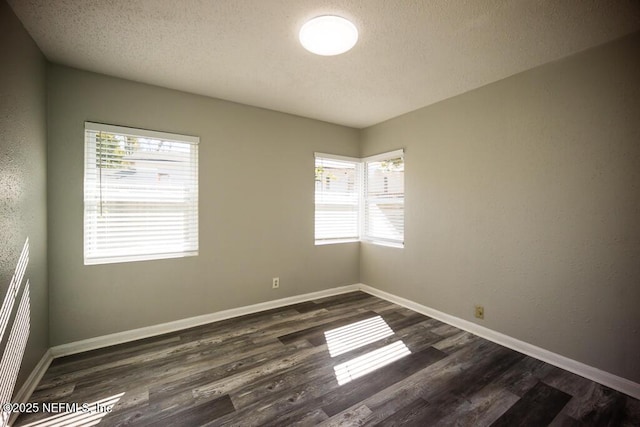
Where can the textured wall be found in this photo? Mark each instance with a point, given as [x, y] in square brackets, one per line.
[256, 209]
[22, 176]
[524, 196]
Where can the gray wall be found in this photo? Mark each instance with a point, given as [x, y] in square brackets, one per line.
[256, 209]
[23, 157]
[524, 196]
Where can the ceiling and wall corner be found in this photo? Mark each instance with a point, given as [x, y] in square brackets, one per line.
[410, 53]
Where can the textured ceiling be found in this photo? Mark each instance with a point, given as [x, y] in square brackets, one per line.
[411, 53]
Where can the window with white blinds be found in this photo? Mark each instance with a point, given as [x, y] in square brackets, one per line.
[337, 198]
[384, 198]
[360, 199]
[140, 194]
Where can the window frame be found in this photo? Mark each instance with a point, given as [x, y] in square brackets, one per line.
[97, 256]
[365, 237]
[357, 190]
[362, 167]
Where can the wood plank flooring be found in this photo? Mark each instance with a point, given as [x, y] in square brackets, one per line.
[276, 368]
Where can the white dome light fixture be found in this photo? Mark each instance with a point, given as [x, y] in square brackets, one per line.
[328, 35]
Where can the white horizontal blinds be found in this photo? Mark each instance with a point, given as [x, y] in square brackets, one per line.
[337, 181]
[141, 194]
[384, 198]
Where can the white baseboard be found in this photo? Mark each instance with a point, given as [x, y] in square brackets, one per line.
[610, 380]
[24, 393]
[30, 384]
[163, 328]
[605, 378]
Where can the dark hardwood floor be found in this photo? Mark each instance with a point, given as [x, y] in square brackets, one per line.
[309, 363]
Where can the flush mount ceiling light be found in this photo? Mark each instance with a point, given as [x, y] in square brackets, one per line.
[328, 35]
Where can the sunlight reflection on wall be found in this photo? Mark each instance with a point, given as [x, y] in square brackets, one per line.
[19, 335]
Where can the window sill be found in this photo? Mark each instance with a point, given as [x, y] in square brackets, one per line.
[383, 243]
[333, 242]
[371, 242]
[135, 258]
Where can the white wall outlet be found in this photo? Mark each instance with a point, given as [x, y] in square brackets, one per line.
[275, 284]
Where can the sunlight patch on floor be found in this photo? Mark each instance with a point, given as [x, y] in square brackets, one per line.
[83, 416]
[362, 365]
[350, 337]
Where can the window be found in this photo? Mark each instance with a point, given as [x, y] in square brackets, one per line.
[140, 194]
[360, 199]
[337, 198]
[384, 198]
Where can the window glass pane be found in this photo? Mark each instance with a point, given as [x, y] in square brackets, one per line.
[384, 200]
[336, 199]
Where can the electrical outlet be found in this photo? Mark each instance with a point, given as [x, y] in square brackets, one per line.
[275, 284]
[480, 312]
